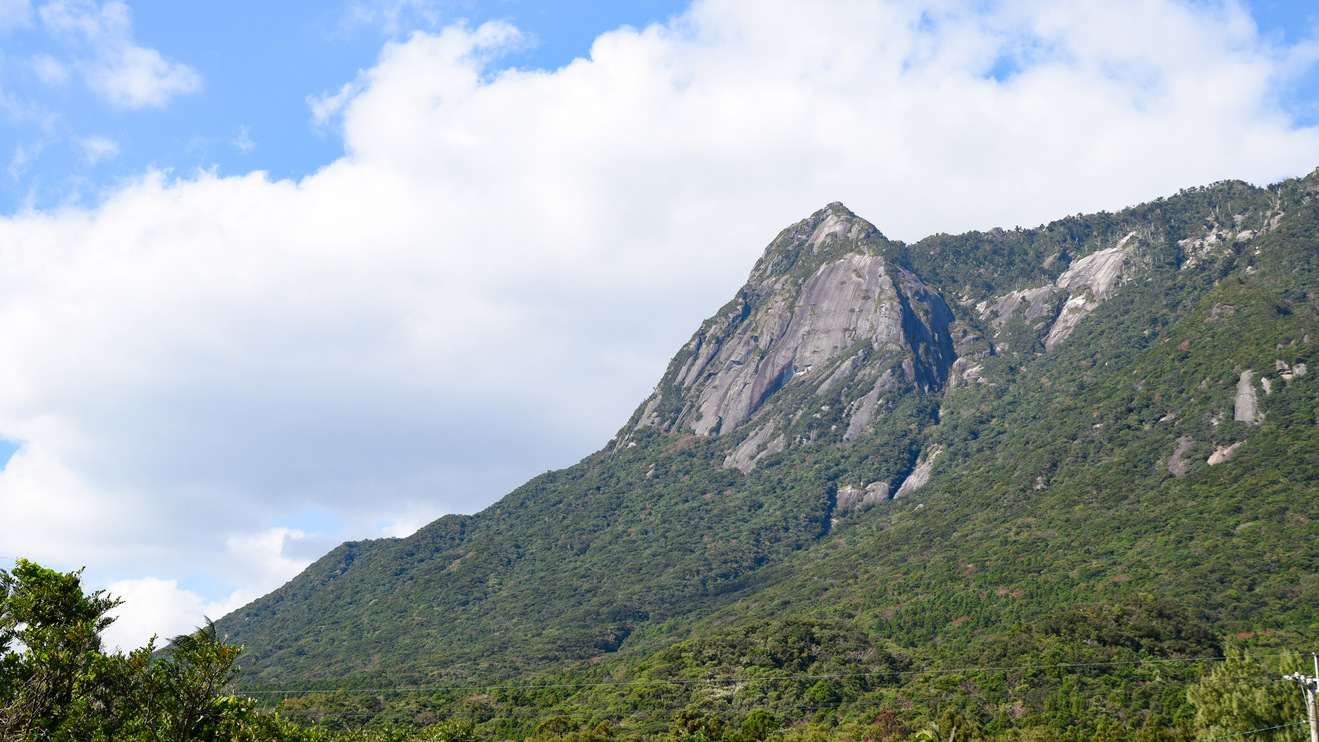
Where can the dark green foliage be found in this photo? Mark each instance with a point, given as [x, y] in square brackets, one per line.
[57, 684]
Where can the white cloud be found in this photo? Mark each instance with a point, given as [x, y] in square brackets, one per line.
[496, 272]
[155, 606]
[115, 68]
[96, 149]
[326, 106]
[24, 154]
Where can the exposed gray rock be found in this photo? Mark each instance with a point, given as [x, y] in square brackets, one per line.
[970, 347]
[964, 371]
[1289, 373]
[1176, 466]
[1090, 280]
[849, 496]
[875, 492]
[844, 370]
[919, 476]
[1247, 405]
[1038, 299]
[1196, 250]
[789, 326]
[864, 410]
[648, 414]
[838, 224]
[1224, 453]
[1086, 282]
[845, 301]
[745, 456]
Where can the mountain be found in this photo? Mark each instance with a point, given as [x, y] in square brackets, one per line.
[925, 444]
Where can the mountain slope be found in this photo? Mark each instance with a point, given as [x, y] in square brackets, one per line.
[929, 441]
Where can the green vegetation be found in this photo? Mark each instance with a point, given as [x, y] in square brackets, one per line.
[57, 684]
[1054, 488]
[1074, 568]
[1139, 669]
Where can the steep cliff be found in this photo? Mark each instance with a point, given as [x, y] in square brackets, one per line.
[824, 314]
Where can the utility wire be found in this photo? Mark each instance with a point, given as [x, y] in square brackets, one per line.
[613, 711]
[904, 696]
[748, 679]
[1253, 731]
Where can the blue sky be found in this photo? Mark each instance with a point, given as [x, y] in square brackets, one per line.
[258, 62]
[208, 376]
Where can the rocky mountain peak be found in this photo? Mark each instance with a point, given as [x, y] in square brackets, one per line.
[822, 310]
[830, 230]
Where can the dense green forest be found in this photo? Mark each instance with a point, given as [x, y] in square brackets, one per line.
[1142, 668]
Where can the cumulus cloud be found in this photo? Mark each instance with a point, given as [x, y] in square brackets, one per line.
[157, 608]
[499, 266]
[117, 69]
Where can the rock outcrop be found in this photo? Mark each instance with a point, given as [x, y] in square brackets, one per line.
[1246, 408]
[850, 497]
[920, 476]
[1086, 282]
[1176, 465]
[1223, 453]
[822, 306]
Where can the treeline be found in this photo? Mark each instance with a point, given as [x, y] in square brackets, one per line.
[1143, 669]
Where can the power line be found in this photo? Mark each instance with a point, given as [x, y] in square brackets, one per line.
[748, 679]
[613, 711]
[1253, 731]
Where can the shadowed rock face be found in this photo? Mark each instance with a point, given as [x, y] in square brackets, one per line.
[821, 292]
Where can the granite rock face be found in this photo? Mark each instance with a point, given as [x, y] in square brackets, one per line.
[1246, 407]
[1177, 466]
[920, 476]
[1080, 289]
[821, 306]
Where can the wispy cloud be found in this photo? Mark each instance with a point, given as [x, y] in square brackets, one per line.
[100, 42]
[97, 149]
[50, 70]
[15, 14]
[243, 142]
[327, 106]
[392, 16]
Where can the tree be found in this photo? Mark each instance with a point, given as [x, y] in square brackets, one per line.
[57, 687]
[182, 692]
[1241, 695]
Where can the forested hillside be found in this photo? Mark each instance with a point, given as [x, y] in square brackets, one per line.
[970, 450]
